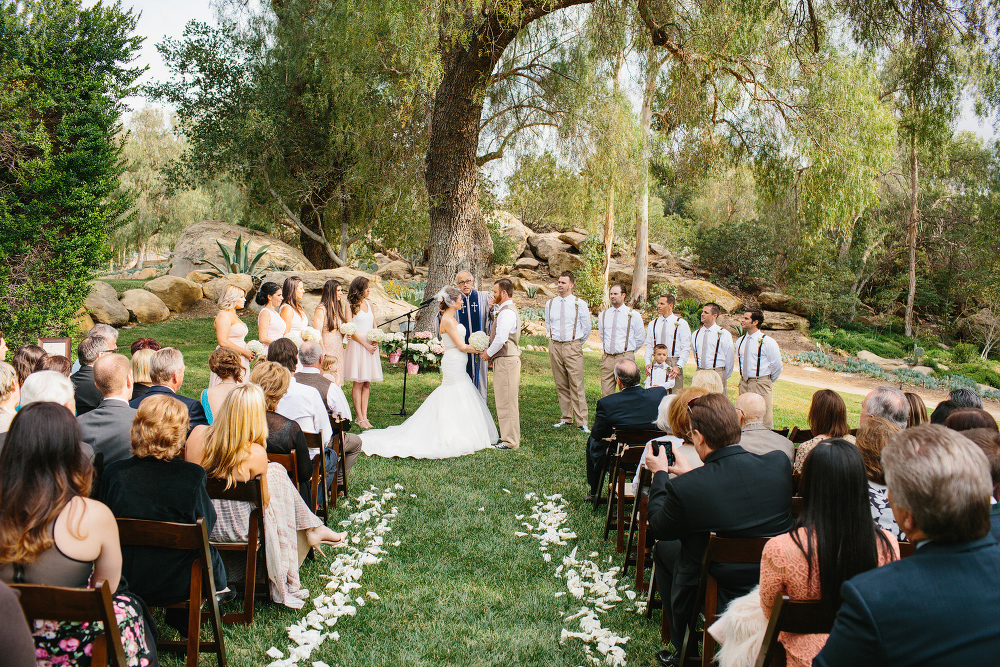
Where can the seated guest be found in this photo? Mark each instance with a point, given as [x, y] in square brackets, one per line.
[888, 403]
[88, 396]
[989, 441]
[107, 428]
[918, 411]
[331, 368]
[233, 449]
[105, 331]
[300, 403]
[283, 435]
[872, 439]
[943, 411]
[10, 395]
[671, 420]
[140, 372]
[939, 606]
[704, 379]
[157, 484]
[144, 344]
[735, 494]
[311, 359]
[754, 436]
[630, 407]
[52, 533]
[965, 419]
[166, 371]
[55, 362]
[228, 367]
[966, 397]
[25, 360]
[827, 419]
[50, 387]
[16, 644]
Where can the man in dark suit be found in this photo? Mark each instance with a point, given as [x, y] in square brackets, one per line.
[938, 607]
[108, 427]
[166, 371]
[630, 407]
[735, 494]
[88, 396]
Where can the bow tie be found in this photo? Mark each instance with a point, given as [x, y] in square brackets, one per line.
[661, 366]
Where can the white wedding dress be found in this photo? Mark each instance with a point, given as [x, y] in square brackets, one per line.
[453, 421]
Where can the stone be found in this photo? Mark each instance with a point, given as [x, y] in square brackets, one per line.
[926, 370]
[620, 273]
[178, 294]
[145, 274]
[104, 307]
[216, 287]
[200, 277]
[526, 263]
[197, 246]
[544, 246]
[527, 274]
[510, 225]
[420, 271]
[395, 270]
[703, 291]
[658, 277]
[533, 328]
[780, 302]
[658, 250]
[145, 307]
[978, 323]
[83, 321]
[575, 239]
[776, 321]
[523, 285]
[564, 261]
[887, 364]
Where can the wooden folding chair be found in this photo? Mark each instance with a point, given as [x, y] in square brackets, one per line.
[798, 436]
[627, 461]
[248, 492]
[796, 506]
[796, 480]
[321, 500]
[783, 432]
[619, 437]
[289, 462]
[59, 603]
[719, 550]
[188, 537]
[637, 532]
[340, 427]
[801, 618]
[625, 440]
[906, 549]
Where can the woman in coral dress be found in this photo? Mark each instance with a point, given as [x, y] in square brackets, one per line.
[230, 331]
[362, 365]
[330, 314]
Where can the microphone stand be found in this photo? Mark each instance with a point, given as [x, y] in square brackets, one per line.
[406, 347]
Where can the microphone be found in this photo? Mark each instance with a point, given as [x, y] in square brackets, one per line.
[427, 302]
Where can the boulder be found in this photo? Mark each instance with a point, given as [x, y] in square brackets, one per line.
[780, 302]
[777, 321]
[200, 276]
[523, 285]
[564, 261]
[511, 226]
[197, 246]
[620, 273]
[178, 294]
[420, 271]
[533, 328]
[526, 263]
[575, 239]
[658, 250]
[83, 321]
[145, 273]
[887, 364]
[216, 287]
[527, 274]
[145, 307]
[926, 370]
[395, 270]
[658, 277]
[978, 323]
[703, 291]
[544, 246]
[104, 306]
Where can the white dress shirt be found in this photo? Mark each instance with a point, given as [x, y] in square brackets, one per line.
[559, 319]
[335, 398]
[672, 331]
[658, 377]
[304, 405]
[506, 322]
[628, 335]
[758, 356]
[713, 347]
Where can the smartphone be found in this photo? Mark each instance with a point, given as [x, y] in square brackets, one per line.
[671, 460]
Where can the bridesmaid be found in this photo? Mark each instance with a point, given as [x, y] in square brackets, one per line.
[230, 331]
[291, 310]
[362, 364]
[270, 326]
[328, 318]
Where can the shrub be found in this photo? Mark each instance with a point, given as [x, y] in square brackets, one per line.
[739, 254]
[964, 353]
[503, 246]
[980, 373]
[590, 277]
[690, 310]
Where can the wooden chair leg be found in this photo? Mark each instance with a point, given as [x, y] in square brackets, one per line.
[194, 618]
[620, 523]
[651, 593]
[99, 651]
[711, 603]
[640, 549]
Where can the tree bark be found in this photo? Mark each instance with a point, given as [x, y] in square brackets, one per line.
[912, 233]
[641, 270]
[314, 251]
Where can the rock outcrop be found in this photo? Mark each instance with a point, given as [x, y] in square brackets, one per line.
[776, 321]
[887, 364]
[144, 307]
[215, 288]
[197, 246]
[395, 270]
[104, 306]
[780, 302]
[544, 246]
[178, 294]
[703, 291]
[564, 261]
[520, 284]
[511, 226]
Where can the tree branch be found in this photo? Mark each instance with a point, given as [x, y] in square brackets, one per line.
[295, 219]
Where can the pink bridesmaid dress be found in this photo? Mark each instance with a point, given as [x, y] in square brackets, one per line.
[360, 365]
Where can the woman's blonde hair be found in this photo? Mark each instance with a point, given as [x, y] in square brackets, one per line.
[241, 423]
[160, 428]
[273, 379]
[232, 296]
[678, 414]
[140, 365]
[710, 380]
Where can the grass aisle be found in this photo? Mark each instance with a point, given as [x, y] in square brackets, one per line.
[461, 588]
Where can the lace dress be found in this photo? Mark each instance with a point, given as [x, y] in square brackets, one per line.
[333, 344]
[453, 421]
[802, 451]
[360, 365]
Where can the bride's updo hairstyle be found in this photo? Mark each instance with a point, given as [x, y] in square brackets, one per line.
[448, 296]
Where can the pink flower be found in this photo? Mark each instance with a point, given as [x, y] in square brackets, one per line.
[41, 653]
[437, 349]
[88, 648]
[69, 644]
[60, 660]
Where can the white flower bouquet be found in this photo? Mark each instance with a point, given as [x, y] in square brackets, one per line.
[310, 333]
[392, 342]
[295, 338]
[348, 329]
[376, 335]
[257, 348]
[479, 340]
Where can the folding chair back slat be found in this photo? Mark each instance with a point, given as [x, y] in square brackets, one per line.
[248, 492]
[317, 484]
[289, 462]
[799, 435]
[619, 437]
[803, 618]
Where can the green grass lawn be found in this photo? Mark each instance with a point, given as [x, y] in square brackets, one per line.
[461, 588]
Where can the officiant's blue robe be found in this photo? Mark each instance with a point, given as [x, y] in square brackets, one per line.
[474, 315]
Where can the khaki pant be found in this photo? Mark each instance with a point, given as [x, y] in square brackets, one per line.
[762, 386]
[608, 361]
[679, 380]
[566, 359]
[506, 383]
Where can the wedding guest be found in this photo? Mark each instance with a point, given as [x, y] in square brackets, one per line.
[25, 360]
[107, 427]
[283, 435]
[166, 371]
[872, 439]
[55, 362]
[300, 403]
[88, 396]
[966, 397]
[291, 311]
[827, 419]
[362, 365]
[270, 326]
[330, 314]
[755, 437]
[107, 332]
[227, 366]
[886, 402]
[943, 411]
[144, 344]
[16, 645]
[52, 533]
[141, 381]
[50, 387]
[918, 411]
[234, 449]
[156, 483]
[988, 440]
[10, 395]
[964, 419]
[710, 380]
[331, 369]
[230, 331]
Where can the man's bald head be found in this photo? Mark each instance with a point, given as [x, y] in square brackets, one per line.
[465, 282]
[627, 373]
[111, 374]
[752, 406]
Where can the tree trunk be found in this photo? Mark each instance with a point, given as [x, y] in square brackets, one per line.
[641, 270]
[609, 239]
[912, 233]
[314, 251]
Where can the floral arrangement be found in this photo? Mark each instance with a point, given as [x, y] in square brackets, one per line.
[376, 335]
[310, 333]
[257, 348]
[479, 340]
[422, 335]
[295, 338]
[348, 328]
[392, 342]
[421, 354]
[437, 349]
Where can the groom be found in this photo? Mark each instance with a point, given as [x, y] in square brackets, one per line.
[503, 352]
[474, 316]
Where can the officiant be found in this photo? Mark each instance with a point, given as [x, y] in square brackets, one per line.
[474, 315]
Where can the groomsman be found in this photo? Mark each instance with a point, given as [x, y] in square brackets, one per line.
[567, 323]
[760, 361]
[674, 332]
[504, 353]
[621, 332]
[713, 345]
[474, 316]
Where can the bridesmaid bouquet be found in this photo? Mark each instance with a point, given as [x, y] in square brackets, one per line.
[376, 336]
[295, 338]
[257, 348]
[479, 340]
[348, 329]
[311, 333]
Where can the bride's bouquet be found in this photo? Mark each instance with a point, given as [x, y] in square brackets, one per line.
[376, 336]
[311, 333]
[348, 328]
[257, 348]
[479, 340]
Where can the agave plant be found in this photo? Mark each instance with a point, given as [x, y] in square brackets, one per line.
[238, 259]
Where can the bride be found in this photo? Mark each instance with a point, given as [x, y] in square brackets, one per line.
[454, 420]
